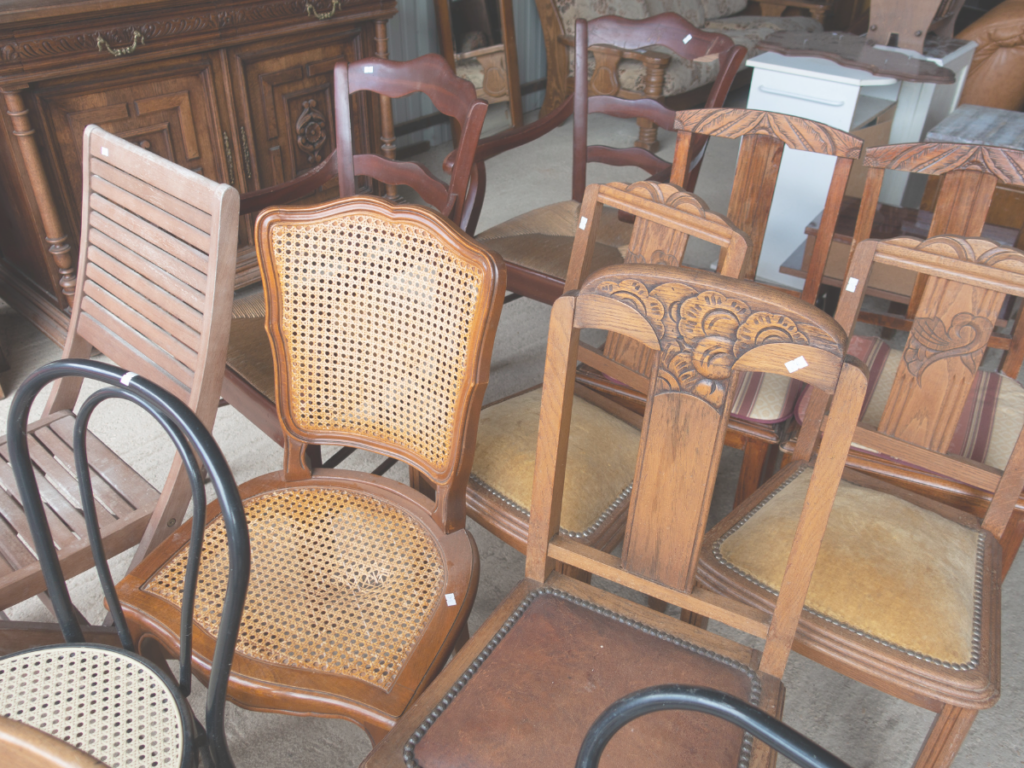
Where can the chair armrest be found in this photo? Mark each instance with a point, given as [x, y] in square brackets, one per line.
[290, 191]
[493, 146]
[647, 57]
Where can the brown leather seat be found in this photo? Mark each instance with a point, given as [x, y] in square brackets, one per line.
[995, 79]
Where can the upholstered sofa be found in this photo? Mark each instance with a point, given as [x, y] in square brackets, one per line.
[558, 18]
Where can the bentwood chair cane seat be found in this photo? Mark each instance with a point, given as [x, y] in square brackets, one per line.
[557, 652]
[156, 272]
[907, 595]
[381, 319]
[107, 701]
[249, 381]
[605, 435]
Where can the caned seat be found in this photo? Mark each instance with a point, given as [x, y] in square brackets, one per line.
[381, 320]
[906, 595]
[155, 277]
[558, 652]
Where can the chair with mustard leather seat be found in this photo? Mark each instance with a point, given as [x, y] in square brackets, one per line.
[602, 446]
[906, 594]
[248, 382]
[557, 652]
[381, 319]
[155, 276]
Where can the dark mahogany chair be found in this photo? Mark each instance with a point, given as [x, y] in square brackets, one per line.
[528, 684]
[248, 381]
[381, 319]
[906, 595]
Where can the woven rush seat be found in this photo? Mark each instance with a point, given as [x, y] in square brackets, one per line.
[989, 423]
[107, 702]
[917, 588]
[342, 583]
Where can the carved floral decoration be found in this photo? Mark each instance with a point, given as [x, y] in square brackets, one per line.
[930, 341]
[311, 131]
[704, 332]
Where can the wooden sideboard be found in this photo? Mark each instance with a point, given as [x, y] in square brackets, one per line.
[239, 91]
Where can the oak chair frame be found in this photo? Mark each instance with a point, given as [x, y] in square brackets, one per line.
[613, 299]
[300, 690]
[154, 293]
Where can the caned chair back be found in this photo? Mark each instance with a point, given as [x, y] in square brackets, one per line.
[155, 272]
[704, 329]
[377, 316]
[965, 282]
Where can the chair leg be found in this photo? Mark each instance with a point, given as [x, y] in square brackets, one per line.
[758, 457]
[375, 734]
[574, 573]
[945, 737]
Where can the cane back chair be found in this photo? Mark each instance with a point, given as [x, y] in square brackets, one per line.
[118, 707]
[248, 383]
[156, 272]
[906, 598]
[546, 663]
[603, 444]
[381, 319]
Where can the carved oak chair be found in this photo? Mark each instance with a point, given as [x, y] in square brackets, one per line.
[248, 383]
[381, 319]
[106, 699]
[906, 595]
[603, 444]
[537, 245]
[551, 658]
[155, 278]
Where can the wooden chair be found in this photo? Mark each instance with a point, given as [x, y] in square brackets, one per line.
[536, 245]
[603, 447]
[108, 701]
[27, 747]
[360, 585]
[248, 383]
[155, 278]
[557, 652]
[906, 596]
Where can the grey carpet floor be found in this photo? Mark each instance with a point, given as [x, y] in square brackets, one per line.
[861, 725]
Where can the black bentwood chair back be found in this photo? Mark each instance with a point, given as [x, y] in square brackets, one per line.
[109, 702]
[658, 698]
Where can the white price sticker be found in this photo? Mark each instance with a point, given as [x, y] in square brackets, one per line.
[687, 39]
[449, 598]
[583, 222]
[851, 284]
[127, 379]
[104, 151]
[795, 365]
[367, 70]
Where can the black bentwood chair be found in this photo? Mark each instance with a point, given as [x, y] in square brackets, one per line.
[109, 702]
[659, 698]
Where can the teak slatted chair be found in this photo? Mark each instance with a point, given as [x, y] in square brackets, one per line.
[248, 383]
[111, 702]
[906, 595]
[382, 320]
[557, 652]
[604, 441]
[155, 278]
[537, 245]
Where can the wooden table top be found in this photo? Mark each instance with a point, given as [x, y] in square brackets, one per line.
[973, 124]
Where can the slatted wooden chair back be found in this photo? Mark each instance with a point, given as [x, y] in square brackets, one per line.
[607, 38]
[968, 176]
[764, 136]
[900, 24]
[965, 283]
[704, 329]
[378, 317]
[451, 95]
[155, 273]
[665, 218]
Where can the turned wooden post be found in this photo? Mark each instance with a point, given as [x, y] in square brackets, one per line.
[387, 118]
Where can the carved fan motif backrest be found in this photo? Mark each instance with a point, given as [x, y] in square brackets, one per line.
[377, 316]
[156, 266]
[705, 328]
[658, 240]
[950, 333]
[450, 95]
[764, 135]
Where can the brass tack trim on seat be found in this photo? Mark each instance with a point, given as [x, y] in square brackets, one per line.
[588, 531]
[978, 579]
[409, 753]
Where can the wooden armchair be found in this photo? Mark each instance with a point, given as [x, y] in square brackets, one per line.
[248, 383]
[155, 278]
[360, 585]
[557, 652]
[906, 597]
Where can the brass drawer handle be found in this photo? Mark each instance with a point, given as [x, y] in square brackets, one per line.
[229, 155]
[247, 161]
[137, 40]
[311, 11]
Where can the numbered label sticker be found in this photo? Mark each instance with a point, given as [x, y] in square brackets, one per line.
[851, 284]
[795, 365]
[449, 598]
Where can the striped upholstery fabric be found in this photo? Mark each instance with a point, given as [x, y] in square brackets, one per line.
[992, 418]
[765, 398]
